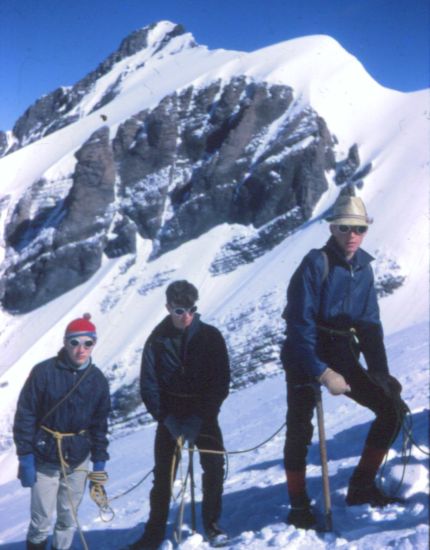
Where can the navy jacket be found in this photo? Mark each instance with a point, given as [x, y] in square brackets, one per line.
[85, 410]
[184, 372]
[341, 299]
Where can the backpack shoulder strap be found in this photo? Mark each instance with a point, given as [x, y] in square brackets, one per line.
[326, 265]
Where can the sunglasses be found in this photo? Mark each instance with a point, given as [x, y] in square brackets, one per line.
[181, 310]
[75, 343]
[357, 229]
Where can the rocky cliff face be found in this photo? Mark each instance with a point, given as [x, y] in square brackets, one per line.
[232, 151]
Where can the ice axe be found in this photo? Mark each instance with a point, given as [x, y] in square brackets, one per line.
[328, 524]
[192, 487]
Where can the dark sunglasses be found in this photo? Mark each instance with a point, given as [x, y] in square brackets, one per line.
[357, 229]
[75, 343]
[181, 310]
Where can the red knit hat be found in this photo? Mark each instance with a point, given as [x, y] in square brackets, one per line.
[81, 327]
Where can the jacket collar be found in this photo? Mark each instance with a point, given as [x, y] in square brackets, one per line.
[360, 259]
[64, 362]
[168, 329]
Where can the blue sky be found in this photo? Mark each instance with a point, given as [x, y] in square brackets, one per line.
[45, 44]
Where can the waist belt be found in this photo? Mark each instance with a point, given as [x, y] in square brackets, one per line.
[349, 333]
[59, 436]
[182, 395]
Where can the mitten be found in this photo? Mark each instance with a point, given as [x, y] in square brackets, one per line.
[334, 382]
[27, 470]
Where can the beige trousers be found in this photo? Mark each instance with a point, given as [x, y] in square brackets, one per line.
[53, 492]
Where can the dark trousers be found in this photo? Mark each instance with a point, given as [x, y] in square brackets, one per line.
[212, 480]
[301, 401]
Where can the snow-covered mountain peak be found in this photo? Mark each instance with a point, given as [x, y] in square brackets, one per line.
[164, 31]
[67, 104]
[154, 38]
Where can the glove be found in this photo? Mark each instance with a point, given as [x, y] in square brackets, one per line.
[389, 384]
[27, 470]
[98, 475]
[191, 428]
[334, 382]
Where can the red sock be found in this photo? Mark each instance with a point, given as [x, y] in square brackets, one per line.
[296, 481]
[370, 461]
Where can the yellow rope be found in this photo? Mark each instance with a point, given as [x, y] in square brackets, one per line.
[99, 496]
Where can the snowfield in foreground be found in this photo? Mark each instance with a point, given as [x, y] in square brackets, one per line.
[255, 499]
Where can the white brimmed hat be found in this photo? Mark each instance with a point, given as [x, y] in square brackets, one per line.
[349, 210]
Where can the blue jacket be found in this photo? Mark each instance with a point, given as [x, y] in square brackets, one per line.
[184, 372]
[342, 298]
[84, 412]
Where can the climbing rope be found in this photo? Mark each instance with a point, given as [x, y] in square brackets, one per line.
[98, 494]
[403, 413]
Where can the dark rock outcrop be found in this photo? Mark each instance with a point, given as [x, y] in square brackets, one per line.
[244, 250]
[3, 143]
[87, 205]
[209, 167]
[232, 152]
[61, 247]
[50, 275]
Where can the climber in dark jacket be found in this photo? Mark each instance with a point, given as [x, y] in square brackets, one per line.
[60, 424]
[332, 316]
[185, 378]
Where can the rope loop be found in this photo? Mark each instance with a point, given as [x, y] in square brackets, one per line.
[99, 496]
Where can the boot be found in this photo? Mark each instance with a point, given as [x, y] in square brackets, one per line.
[302, 518]
[150, 540]
[301, 514]
[37, 545]
[216, 536]
[369, 494]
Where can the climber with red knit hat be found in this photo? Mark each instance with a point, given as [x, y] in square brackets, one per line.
[60, 426]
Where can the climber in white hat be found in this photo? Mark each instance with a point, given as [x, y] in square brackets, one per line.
[332, 317]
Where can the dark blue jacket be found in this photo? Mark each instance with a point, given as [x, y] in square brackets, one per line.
[85, 410]
[184, 372]
[342, 298]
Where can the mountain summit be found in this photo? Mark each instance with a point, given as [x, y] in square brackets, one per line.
[65, 105]
[174, 161]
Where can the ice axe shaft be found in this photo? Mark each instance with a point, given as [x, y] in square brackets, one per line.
[192, 487]
[328, 524]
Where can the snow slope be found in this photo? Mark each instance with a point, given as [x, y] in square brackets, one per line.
[126, 299]
[255, 500]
